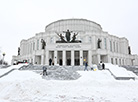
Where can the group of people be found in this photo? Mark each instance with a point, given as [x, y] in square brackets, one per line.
[101, 66]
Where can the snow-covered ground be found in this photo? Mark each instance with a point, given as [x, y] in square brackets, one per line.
[120, 72]
[91, 86]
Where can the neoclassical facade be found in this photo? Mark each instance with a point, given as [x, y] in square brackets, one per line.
[73, 42]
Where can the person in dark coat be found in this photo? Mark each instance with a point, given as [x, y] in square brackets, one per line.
[44, 71]
[86, 64]
[50, 61]
[103, 65]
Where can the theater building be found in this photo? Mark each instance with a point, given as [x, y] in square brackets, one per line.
[73, 42]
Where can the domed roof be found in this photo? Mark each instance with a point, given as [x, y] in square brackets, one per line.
[74, 25]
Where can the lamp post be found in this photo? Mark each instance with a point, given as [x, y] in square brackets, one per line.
[3, 58]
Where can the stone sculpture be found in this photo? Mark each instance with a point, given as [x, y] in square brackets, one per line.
[43, 44]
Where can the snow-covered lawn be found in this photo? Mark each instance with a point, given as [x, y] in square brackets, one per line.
[92, 86]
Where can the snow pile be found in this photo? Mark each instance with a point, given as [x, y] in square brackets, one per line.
[62, 73]
[55, 72]
[92, 86]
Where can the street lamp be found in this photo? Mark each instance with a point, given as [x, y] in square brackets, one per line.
[3, 58]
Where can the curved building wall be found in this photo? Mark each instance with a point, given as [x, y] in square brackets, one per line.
[73, 24]
[113, 49]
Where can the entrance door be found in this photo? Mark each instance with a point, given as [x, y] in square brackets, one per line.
[85, 57]
[68, 57]
[59, 56]
[77, 58]
[60, 62]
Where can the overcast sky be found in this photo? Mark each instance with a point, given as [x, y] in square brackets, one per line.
[22, 19]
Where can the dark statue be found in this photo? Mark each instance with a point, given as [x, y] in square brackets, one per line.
[74, 37]
[129, 50]
[61, 37]
[18, 50]
[99, 42]
[43, 44]
[68, 33]
[67, 36]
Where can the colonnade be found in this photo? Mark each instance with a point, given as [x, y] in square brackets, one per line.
[78, 59]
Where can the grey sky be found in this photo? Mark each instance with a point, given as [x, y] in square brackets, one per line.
[22, 19]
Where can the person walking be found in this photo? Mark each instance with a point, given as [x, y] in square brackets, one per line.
[103, 65]
[86, 64]
[50, 61]
[44, 71]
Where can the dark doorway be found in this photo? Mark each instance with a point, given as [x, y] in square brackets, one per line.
[68, 61]
[77, 58]
[68, 57]
[60, 62]
[77, 61]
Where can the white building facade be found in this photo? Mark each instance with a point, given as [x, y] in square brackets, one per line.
[110, 49]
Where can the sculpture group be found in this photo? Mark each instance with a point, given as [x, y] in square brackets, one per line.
[67, 37]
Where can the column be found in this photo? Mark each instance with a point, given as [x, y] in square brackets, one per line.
[64, 57]
[47, 57]
[34, 59]
[90, 58]
[94, 43]
[72, 57]
[98, 59]
[108, 59]
[81, 57]
[114, 61]
[55, 57]
[42, 59]
[118, 61]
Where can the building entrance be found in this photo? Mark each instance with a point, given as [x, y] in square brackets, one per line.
[85, 57]
[68, 57]
[77, 58]
[60, 58]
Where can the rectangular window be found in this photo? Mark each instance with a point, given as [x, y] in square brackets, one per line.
[51, 40]
[90, 39]
[117, 47]
[37, 44]
[114, 46]
[105, 43]
[33, 45]
[31, 48]
[110, 46]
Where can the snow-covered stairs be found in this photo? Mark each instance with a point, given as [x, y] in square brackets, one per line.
[120, 73]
